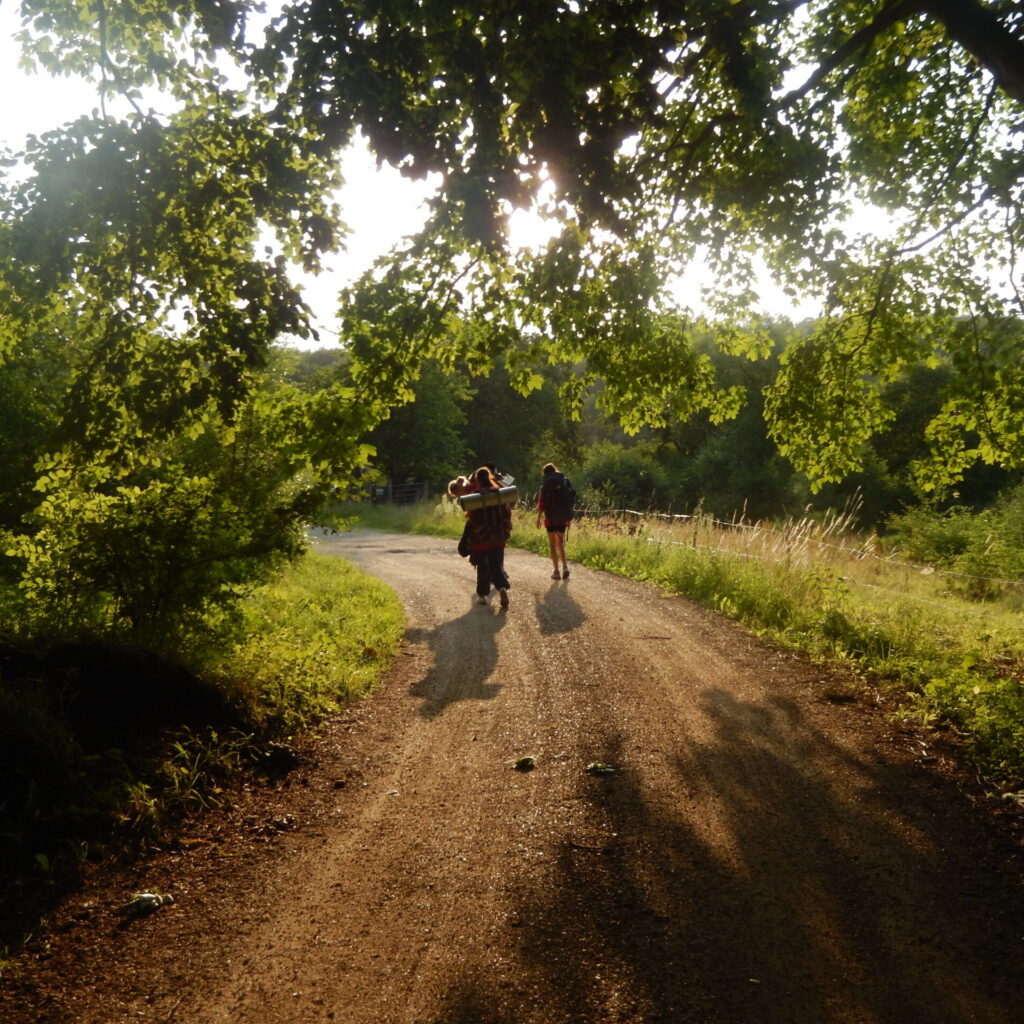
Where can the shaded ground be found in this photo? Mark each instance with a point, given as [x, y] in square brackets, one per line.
[767, 850]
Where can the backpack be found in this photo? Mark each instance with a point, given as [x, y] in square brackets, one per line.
[559, 497]
[490, 524]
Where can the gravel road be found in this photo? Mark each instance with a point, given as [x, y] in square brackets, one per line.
[767, 848]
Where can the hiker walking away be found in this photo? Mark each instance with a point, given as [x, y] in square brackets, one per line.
[556, 503]
[489, 530]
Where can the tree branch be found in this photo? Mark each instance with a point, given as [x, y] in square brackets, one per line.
[977, 28]
[970, 23]
[948, 226]
[858, 42]
[107, 64]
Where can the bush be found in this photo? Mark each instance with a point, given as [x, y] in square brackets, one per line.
[144, 562]
[938, 538]
[985, 548]
[614, 475]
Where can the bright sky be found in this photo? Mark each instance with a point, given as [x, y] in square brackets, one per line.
[378, 204]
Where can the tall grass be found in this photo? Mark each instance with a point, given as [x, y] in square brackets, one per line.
[817, 585]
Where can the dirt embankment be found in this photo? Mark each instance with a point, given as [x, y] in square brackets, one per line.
[765, 850]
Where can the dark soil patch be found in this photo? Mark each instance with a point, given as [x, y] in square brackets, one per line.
[81, 723]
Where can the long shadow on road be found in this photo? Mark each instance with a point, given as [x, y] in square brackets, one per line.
[465, 654]
[557, 611]
[790, 882]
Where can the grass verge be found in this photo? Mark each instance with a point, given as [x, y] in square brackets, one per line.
[948, 662]
[102, 747]
[320, 635]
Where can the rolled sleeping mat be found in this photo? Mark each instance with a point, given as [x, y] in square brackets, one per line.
[483, 499]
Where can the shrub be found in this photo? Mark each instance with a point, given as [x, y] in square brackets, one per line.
[985, 548]
[146, 562]
[615, 475]
[938, 538]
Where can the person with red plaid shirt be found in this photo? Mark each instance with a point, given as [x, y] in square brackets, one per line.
[489, 530]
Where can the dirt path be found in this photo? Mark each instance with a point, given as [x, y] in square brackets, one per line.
[763, 853]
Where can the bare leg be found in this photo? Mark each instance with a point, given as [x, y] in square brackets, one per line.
[560, 551]
[554, 541]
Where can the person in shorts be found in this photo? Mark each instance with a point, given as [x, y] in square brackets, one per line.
[556, 520]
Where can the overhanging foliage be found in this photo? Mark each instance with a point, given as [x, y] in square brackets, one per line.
[650, 134]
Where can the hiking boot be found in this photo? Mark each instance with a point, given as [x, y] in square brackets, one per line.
[565, 574]
[503, 594]
[480, 599]
[556, 575]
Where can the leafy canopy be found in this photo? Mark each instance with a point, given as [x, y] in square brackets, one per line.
[650, 133]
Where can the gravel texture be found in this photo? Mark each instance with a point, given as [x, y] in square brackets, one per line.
[755, 842]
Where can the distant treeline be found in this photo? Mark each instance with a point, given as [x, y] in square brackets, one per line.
[457, 420]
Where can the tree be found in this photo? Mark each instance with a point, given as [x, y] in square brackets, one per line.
[648, 132]
[423, 439]
[31, 389]
[613, 476]
[169, 466]
[517, 432]
[734, 467]
[156, 541]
